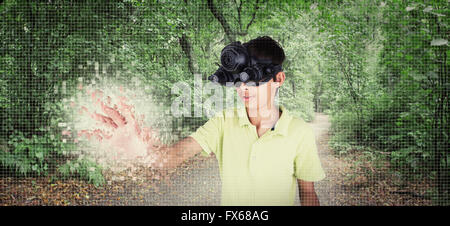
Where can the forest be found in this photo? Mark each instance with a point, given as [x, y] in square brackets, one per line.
[377, 68]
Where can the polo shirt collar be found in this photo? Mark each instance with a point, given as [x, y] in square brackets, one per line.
[281, 126]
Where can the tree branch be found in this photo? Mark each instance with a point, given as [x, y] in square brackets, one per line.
[218, 15]
[253, 16]
[239, 9]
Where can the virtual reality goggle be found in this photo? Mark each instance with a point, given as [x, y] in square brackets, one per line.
[238, 66]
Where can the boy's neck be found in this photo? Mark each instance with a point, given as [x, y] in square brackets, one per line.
[264, 117]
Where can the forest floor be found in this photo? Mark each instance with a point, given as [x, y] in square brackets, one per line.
[352, 179]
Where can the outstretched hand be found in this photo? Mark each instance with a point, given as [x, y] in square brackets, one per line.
[120, 131]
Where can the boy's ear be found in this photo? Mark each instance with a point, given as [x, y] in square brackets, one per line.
[280, 77]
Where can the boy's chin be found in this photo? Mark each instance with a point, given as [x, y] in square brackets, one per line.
[253, 105]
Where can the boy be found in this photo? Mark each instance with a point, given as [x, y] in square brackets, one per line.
[261, 149]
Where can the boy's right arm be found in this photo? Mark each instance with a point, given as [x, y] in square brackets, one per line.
[171, 156]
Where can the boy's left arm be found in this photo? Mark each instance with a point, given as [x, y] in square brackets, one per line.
[307, 193]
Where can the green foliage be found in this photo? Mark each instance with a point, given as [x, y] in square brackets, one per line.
[40, 155]
[392, 95]
[32, 156]
[379, 68]
[83, 169]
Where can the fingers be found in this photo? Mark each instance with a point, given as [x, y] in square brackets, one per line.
[105, 120]
[114, 118]
[114, 115]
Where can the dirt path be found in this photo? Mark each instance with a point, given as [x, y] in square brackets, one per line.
[354, 179]
[326, 189]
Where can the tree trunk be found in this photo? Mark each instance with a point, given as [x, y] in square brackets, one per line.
[187, 49]
[440, 126]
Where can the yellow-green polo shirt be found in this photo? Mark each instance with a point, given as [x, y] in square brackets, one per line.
[260, 171]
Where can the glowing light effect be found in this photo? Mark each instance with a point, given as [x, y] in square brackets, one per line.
[119, 127]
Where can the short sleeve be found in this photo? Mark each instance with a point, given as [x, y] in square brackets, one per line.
[307, 163]
[210, 134]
